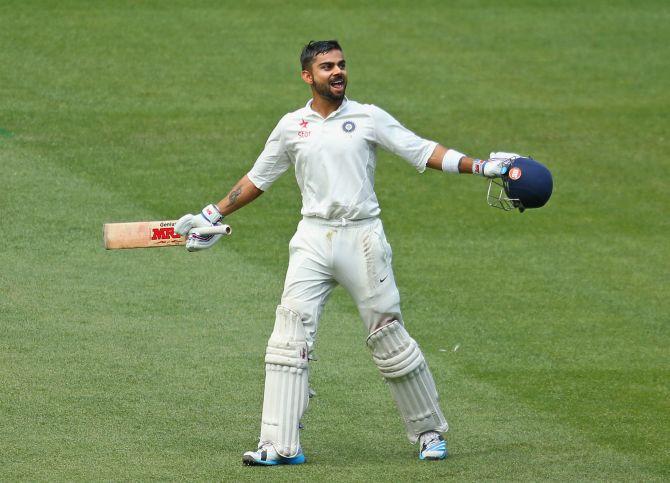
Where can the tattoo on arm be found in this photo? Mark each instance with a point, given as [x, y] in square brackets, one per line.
[232, 197]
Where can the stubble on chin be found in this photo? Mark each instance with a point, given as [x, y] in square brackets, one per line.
[324, 91]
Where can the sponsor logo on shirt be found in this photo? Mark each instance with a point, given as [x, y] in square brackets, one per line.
[348, 126]
[303, 132]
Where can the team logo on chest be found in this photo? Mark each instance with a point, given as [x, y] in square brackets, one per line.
[348, 126]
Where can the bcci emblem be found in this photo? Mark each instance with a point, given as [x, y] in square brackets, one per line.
[348, 127]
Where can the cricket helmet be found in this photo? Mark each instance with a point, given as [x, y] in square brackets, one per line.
[525, 184]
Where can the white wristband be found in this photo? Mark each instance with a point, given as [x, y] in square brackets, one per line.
[450, 161]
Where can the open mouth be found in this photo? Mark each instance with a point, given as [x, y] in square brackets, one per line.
[337, 83]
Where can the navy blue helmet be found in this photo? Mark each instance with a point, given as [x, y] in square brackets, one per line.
[525, 184]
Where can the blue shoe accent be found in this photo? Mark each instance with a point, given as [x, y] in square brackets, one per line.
[256, 462]
[263, 457]
[435, 451]
[296, 460]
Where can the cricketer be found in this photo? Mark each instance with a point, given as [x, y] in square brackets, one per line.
[331, 143]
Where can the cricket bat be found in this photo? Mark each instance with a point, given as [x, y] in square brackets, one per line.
[151, 234]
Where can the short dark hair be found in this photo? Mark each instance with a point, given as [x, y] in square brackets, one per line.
[314, 48]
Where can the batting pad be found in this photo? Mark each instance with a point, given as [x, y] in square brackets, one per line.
[286, 386]
[404, 368]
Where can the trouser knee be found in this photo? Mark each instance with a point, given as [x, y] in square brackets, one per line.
[309, 317]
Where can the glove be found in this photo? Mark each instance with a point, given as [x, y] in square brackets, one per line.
[498, 163]
[503, 155]
[209, 216]
[494, 167]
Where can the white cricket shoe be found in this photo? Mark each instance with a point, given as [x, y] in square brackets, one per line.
[433, 446]
[266, 455]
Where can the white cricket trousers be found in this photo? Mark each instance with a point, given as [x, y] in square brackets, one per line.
[357, 256]
[354, 254]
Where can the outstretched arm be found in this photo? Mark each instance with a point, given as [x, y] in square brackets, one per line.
[435, 160]
[452, 161]
[242, 194]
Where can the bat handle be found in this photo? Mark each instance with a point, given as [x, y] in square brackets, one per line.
[213, 230]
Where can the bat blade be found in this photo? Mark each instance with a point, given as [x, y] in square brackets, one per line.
[150, 234]
[141, 234]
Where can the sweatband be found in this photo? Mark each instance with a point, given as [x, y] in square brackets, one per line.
[450, 161]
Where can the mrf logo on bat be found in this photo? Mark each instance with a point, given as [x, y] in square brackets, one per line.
[165, 232]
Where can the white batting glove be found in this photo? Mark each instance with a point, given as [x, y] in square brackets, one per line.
[494, 167]
[500, 160]
[489, 168]
[503, 155]
[209, 216]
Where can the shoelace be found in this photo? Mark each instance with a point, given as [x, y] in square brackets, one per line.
[433, 440]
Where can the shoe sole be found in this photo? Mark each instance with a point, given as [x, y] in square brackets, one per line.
[251, 461]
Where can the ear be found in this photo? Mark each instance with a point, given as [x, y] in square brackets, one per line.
[307, 77]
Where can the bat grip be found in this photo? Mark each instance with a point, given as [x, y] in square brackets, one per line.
[213, 230]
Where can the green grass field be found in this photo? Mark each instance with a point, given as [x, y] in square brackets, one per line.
[547, 332]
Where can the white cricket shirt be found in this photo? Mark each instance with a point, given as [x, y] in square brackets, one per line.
[335, 157]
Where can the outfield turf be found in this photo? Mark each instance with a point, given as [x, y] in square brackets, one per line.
[547, 332]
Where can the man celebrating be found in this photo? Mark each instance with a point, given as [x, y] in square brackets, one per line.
[332, 142]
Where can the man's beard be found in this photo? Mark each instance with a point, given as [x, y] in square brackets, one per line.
[323, 90]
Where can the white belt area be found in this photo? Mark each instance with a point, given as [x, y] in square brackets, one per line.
[339, 222]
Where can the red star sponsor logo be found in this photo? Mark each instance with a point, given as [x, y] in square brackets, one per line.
[303, 132]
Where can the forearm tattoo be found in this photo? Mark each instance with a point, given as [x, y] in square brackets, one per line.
[232, 197]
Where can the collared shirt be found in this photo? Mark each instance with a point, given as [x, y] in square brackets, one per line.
[335, 157]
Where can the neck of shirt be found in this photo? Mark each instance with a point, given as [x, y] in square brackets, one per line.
[333, 108]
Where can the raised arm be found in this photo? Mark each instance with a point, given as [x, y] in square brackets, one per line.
[396, 138]
[435, 160]
[452, 161]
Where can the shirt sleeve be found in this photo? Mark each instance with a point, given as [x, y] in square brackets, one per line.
[272, 162]
[396, 138]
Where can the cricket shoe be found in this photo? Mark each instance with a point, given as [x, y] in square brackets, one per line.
[433, 446]
[266, 455]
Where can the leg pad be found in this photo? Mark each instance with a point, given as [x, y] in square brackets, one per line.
[286, 383]
[401, 363]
